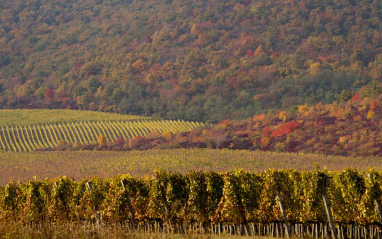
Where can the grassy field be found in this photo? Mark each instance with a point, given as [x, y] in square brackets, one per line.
[84, 164]
[42, 116]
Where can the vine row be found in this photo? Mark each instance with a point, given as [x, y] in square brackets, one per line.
[30, 138]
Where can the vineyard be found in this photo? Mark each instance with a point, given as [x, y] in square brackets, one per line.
[282, 203]
[21, 117]
[32, 137]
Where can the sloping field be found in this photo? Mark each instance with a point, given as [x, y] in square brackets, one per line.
[32, 137]
[29, 130]
[23, 117]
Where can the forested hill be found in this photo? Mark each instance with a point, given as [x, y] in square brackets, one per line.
[198, 60]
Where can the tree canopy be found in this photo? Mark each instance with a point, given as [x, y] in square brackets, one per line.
[197, 60]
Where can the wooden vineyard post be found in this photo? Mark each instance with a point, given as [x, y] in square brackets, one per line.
[132, 211]
[166, 208]
[327, 209]
[378, 205]
[284, 215]
[90, 187]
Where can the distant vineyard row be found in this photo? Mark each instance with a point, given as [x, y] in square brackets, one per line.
[33, 137]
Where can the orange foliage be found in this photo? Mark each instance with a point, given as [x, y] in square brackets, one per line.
[265, 141]
[373, 105]
[101, 140]
[355, 97]
[140, 65]
[225, 123]
[258, 117]
[199, 140]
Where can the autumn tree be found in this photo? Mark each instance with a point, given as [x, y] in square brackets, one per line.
[102, 140]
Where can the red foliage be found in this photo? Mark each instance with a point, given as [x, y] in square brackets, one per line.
[323, 58]
[276, 133]
[275, 54]
[138, 137]
[250, 53]
[373, 104]
[355, 97]
[120, 140]
[286, 129]
[234, 82]
[49, 94]
[266, 131]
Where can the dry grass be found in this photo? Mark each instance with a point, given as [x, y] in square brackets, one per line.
[16, 230]
[85, 164]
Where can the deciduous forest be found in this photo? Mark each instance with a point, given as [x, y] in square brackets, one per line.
[194, 60]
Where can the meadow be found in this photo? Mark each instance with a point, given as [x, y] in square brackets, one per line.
[18, 166]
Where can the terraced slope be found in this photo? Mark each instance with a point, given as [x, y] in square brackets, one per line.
[32, 137]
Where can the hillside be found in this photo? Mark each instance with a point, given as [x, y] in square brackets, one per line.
[346, 128]
[195, 60]
[29, 130]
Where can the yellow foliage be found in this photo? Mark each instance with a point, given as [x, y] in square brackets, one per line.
[280, 147]
[314, 68]
[370, 115]
[167, 134]
[194, 29]
[265, 141]
[283, 115]
[140, 65]
[344, 139]
[259, 50]
[102, 141]
[99, 91]
[76, 145]
[302, 108]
